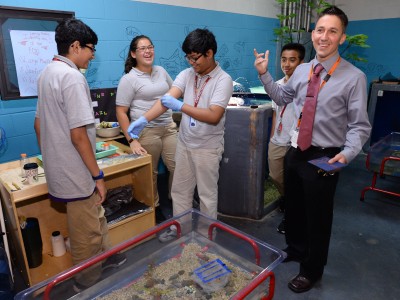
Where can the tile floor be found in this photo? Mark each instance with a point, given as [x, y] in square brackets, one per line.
[364, 256]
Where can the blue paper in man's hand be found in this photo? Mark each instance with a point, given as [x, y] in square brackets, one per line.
[323, 164]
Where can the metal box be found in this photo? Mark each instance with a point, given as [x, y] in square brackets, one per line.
[244, 162]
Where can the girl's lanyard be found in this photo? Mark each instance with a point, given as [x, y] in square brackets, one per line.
[197, 96]
[324, 81]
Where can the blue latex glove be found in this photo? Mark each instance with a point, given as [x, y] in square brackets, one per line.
[171, 102]
[136, 127]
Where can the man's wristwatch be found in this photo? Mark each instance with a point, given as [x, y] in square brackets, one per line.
[100, 176]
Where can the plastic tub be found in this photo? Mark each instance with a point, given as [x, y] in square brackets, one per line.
[387, 147]
[147, 256]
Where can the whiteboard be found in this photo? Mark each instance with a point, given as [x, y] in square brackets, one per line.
[33, 50]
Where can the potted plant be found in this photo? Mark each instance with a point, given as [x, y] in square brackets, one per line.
[295, 20]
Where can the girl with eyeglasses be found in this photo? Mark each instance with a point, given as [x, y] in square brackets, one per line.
[141, 86]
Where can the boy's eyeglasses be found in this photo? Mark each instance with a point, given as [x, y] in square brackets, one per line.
[144, 48]
[193, 59]
[93, 49]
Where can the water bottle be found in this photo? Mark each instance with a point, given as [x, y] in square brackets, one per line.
[24, 160]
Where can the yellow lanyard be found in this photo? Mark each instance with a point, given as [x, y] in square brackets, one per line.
[326, 78]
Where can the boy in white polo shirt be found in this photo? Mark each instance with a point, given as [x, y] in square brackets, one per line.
[65, 130]
[206, 90]
[283, 119]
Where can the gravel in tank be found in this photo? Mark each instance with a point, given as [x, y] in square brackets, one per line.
[173, 279]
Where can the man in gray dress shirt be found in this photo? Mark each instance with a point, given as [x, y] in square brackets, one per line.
[340, 129]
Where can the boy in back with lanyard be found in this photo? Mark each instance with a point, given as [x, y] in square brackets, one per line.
[283, 119]
[339, 129]
[206, 90]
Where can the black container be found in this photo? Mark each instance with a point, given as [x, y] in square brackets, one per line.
[383, 111]
[33, 242]
[6, 283]
[243, 167]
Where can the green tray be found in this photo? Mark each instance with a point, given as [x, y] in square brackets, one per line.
[103, 153]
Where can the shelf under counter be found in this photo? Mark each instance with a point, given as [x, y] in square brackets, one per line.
[33, 201]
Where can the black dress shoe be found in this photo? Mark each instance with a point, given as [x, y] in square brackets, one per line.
[301, 284]
[281, 227]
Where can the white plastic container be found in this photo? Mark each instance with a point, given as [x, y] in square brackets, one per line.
[58, 244]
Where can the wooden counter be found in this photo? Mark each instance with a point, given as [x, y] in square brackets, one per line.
[33, 201]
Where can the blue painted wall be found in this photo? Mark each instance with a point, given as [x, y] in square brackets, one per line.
[383, 55]
[117, 21]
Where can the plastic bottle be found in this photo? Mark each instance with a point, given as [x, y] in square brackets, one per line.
[24, 160]
[58, 244]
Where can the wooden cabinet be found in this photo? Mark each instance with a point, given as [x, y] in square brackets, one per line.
[32, 201]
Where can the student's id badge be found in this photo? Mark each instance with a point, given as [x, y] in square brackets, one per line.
[192, 122]
[280, 127]
[295, 136]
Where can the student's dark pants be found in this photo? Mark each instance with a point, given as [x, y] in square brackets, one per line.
[309, 208]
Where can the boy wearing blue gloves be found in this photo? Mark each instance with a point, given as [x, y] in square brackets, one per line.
[206, 90]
